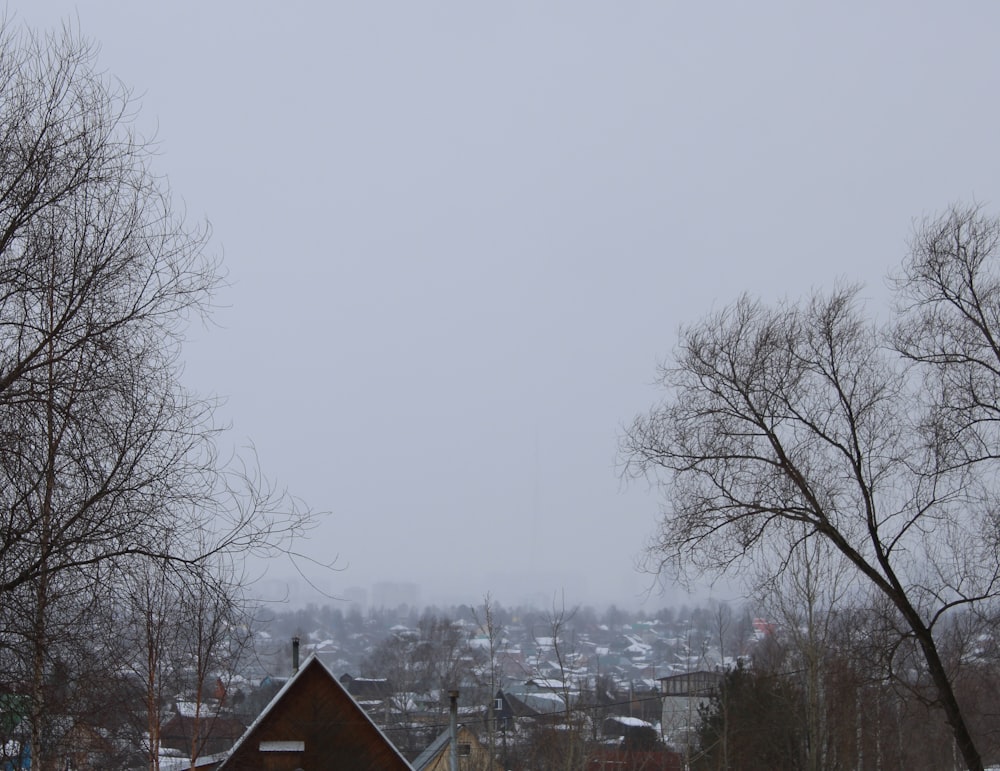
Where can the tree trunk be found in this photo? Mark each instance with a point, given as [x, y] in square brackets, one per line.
[949, 702]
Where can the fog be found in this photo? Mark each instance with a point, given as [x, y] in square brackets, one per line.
[460, 237]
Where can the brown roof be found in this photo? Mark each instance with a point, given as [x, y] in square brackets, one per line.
[314, 723]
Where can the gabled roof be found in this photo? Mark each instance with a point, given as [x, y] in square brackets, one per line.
[434, 749]
[367, 687]
[435, 755]
[184, 764]
[314, 723]
[517, 707]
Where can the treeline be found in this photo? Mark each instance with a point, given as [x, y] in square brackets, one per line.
[833, 693]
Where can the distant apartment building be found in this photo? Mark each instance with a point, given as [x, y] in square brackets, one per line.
[390, 595]
[356, 595]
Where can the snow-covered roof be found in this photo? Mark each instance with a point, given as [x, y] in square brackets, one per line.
[193, 709]
[547, 682]
[634, 722]
[184, 763]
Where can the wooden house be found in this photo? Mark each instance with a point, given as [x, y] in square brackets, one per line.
[206, 729]
[314, 723]
[472, 755]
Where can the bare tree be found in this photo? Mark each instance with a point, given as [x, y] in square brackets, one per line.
[800, 422]
[215, 637]
[803, 598]
[490, 626]
[103, 454]
[146, 627]
[47, 658]
[559, 746]
[101, 448]
[948, 304]
[421, 665]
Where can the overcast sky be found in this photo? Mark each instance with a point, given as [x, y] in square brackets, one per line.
[460, 236]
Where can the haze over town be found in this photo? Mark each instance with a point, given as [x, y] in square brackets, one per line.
[459, 238]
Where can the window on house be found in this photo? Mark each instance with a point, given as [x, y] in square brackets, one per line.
[289, 746]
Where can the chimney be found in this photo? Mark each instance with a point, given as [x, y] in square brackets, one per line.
[453, 726]
[295, 655]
